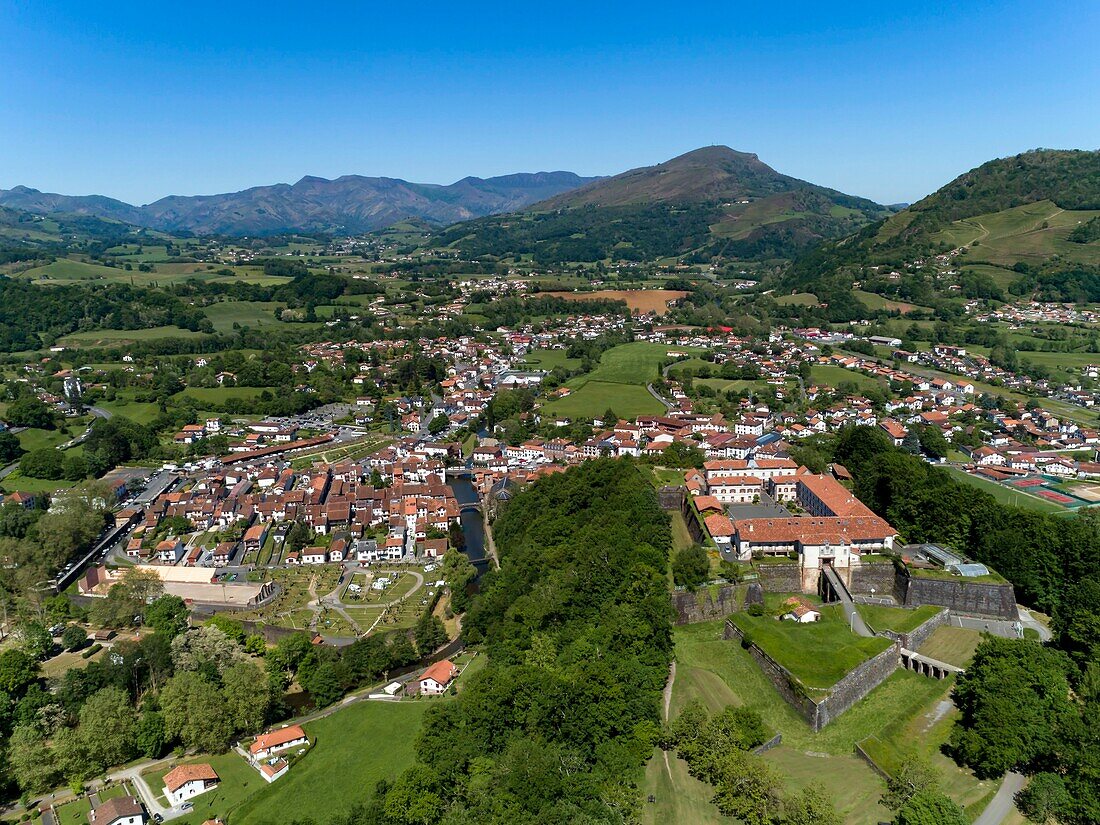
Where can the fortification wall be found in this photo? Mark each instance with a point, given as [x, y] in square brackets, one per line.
[877, 575]
[961, 596]
[702, 605]
[780, 577]
[857, 684]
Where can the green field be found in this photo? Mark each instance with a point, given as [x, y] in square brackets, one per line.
[874, 301]
[954, 645]
[26, 484]
[801, 299]
[33, 438]
[898, 619]
[142, 412]
[593, 398]
[817, 654]
[618, 383]
[68, 271]
[253, 314]
[549, 359]
[218, 395]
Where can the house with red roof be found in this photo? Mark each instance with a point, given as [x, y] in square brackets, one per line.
[435, 680]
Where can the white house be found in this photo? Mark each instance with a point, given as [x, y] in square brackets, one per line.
[188, 781]
[435, 680]
[122, 810]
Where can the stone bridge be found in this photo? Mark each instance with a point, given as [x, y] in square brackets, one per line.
[470, 506]
[927, 666]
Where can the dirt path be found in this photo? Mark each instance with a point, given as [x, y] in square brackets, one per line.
[667, 697]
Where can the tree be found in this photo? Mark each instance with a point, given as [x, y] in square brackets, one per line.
[29, 411]
[690, 566]
[438, 424]
[74, 637]
[748, 788]
[1045, 798]
[458, 572]
[430, 633]
[246, 696]
[167, 615]
[10, 448]
[18, 671]
[45, 462]
[151, 736]
[108, 728]
[35, 640]
[682, 455]
[914, 774]
[1014, 701]
[230, 627]
[195, 712]
[911, 442]
[31, 760]
[205, 649]
[324, 684]
[810, 806]
[930, 807]
[933, 442]
[1077, 620]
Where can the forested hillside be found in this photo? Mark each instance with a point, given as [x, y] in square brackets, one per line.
[576, 624]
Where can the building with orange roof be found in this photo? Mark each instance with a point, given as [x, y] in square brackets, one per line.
[278, 740]
[185, 782]
[435, 680]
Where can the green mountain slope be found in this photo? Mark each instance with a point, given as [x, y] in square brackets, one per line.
[712, 203]
[1021, 223]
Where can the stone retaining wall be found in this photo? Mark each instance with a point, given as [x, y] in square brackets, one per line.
[879, 575]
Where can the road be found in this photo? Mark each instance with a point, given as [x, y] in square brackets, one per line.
[1002, 803]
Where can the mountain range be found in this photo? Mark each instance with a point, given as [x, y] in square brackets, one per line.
[347, 205]
[710, 202]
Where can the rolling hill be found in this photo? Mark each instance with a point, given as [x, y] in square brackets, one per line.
[1020, 223]
[346, 205]
[710, 203]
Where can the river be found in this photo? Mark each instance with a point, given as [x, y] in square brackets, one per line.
[472, 526]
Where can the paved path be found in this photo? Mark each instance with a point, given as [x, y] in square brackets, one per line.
[1027, 620]
[1002, 803]
[855, 621]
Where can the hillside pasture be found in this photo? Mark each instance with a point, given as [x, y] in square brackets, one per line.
[874, 302]
[114, 337]
[1032, 233]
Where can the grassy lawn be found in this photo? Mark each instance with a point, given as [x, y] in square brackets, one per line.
[817, 654]
[74, 813]
[355, 748]
[801, 299]
[32, 438]
[874, 301]
[903, 708]
[830, 375]
[954, 645]
[218, 395]
[678, 796]
[634, 363]
[238, 782]
[897, 619]
[1005, 495]
[225, 314]
[26, 484]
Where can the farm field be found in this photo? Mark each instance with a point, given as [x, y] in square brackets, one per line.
[225, 314]
[70, 271]
[639, 300]
[817, 654]
[109, 337]
[873, 301]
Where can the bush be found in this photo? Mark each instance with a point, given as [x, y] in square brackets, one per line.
[91, 651]
[756, 609]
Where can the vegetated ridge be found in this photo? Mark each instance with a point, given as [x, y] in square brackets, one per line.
[710, 203]
[347, 205]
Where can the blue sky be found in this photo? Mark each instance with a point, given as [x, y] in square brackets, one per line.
[141, 100]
